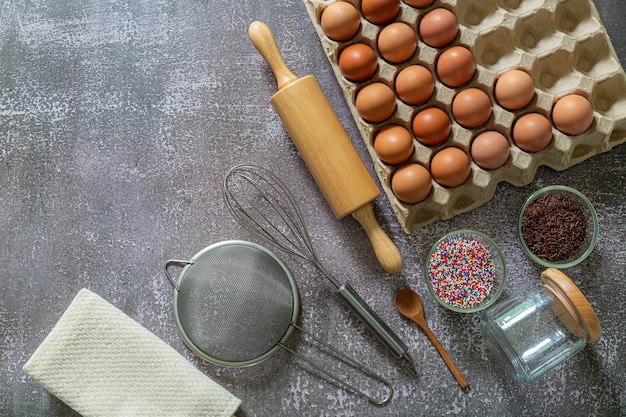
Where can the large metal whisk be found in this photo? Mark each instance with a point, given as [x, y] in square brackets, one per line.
[263, 205]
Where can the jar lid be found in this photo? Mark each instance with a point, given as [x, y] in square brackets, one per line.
[571, 306]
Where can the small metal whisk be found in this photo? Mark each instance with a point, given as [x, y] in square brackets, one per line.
[263, 205]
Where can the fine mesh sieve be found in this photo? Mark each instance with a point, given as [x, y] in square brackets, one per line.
[236, 304]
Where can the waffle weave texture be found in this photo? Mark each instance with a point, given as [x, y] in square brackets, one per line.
[100, 362]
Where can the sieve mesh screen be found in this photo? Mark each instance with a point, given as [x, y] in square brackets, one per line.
[236, 303]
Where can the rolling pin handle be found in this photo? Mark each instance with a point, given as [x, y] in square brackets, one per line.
[386, 251]
[263, 40]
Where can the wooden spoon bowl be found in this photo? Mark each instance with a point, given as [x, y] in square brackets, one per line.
[409, 304]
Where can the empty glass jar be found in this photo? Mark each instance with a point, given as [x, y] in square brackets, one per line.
[540, 326]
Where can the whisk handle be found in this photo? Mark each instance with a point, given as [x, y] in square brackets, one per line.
[391, 341]
[386, 251]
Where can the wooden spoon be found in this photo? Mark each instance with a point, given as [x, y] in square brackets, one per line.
[409, 304]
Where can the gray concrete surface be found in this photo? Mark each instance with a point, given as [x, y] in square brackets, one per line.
[118, 120]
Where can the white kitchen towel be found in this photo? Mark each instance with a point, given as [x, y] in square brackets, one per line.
[100, 362]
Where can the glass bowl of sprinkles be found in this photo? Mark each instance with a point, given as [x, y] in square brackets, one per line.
[465, 271]
[557, 226]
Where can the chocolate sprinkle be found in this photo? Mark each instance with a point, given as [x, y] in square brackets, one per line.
[554, 227]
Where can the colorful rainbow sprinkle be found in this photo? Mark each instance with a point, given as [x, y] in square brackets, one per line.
[462, 271]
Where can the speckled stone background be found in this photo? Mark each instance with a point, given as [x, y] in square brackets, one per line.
[118, 120]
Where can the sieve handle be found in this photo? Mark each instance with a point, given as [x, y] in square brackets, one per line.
[168, 264]
[391, 341]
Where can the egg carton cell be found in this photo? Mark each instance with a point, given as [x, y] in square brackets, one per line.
[561, 44]
[535, 33]
[495, 54]
[588, 146]
[609, 97]
[617, 134]
[554, 72]
[520, 7]
[576, 18]
[594, 58]
[479, 16]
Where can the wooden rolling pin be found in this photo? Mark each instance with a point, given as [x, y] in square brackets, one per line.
[325, 147]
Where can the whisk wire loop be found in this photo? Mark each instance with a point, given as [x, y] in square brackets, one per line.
[262, 204]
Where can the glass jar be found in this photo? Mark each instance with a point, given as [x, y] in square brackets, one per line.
[540, 326]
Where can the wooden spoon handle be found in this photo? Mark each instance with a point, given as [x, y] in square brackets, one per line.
[386, 251]
[458, 375]
[263, 40]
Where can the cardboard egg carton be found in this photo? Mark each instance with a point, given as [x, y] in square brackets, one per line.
[563, 45]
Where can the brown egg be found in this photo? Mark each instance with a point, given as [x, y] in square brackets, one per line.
[393, 144]
[397, 42]
[514, 89]
[411, 183]
[490, 150]
[532, 132]
[414, 84]
[380, 12]
[358, 62]
[340, 21]
[419, 3]
[376, 102]
[438, 27]
[456, 66]
[572, 114]
[450, 167]
[471, 107]
[431, 126]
